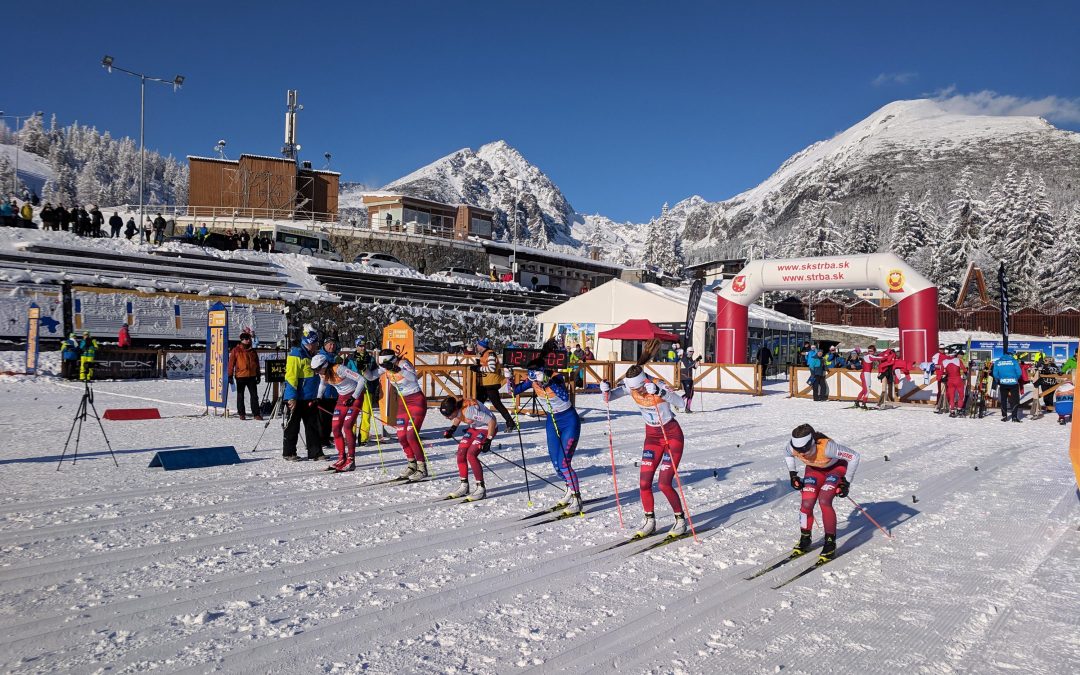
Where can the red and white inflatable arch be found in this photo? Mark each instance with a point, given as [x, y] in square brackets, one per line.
[915, 295]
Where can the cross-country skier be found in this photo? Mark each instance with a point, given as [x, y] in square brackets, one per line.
[349, 385]
[489, 385]
[401, 374]
[481, 429]
[955, 377]
[829, 470]
[563, 428]
[868, 358]
[687, 365]
[663, 443]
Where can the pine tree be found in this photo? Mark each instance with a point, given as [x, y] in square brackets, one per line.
[758, 244]
[1064, 279]
[966, 217]
[32, 137]
[1004, 207]
[933, 227]
[819, 230]
[864, 233]
[1021, 247]
[908, 235]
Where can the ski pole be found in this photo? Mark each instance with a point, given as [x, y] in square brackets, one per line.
[675, 470]
[535, 475]
[488, 468]
[883, 530]
[267, 425]
[423, 451]
[371, 427]
[611, 448]
[521, 445]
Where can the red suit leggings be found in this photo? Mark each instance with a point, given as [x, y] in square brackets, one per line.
[467, 451]
[656, 454]
[954, 387]
[819, 487]
[408, 429]
[345, 414]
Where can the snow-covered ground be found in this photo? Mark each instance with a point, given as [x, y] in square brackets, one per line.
[269, 566]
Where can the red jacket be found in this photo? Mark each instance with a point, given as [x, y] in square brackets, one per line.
[124, 338]
[243, 362]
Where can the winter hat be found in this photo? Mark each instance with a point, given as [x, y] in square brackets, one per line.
[689, 350]
[449, 406]
[483, 343]
[310, 340]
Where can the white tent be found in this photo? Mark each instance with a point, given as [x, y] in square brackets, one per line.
[617, 301]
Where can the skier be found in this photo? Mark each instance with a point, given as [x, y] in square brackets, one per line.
[87, 350]
[401, 374]
[362, 360]
[563, 428]
[828, 473]
[1007, 374]
[868, 360]
[687, 365]
[900, 373]
[347, 383]
[955, 377]
[885, 376]
[663, 447]
[481, 429]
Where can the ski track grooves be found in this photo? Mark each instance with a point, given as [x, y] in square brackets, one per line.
[635, 639]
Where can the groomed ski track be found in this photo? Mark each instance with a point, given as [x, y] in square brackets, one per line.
[275, 567]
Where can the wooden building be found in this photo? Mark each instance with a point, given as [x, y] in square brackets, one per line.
[257, 186]
[401, 213]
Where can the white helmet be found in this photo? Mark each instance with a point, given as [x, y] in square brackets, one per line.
[318, 361]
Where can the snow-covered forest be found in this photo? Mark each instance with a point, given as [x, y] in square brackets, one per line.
[89, 167]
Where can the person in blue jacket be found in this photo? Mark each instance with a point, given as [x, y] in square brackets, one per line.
[301, 394]
[1007, 374]
[563, 428]
[819, 383]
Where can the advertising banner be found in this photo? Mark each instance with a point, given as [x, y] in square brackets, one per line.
[215, 374]
[33, 324]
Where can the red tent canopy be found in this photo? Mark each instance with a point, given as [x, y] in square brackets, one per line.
[639, 329]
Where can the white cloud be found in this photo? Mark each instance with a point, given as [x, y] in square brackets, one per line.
[893, 78]
[986, 102]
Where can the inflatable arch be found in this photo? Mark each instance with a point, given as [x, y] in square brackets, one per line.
[914, 294]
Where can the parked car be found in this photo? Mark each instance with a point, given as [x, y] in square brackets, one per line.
[550, 288]
[212, 240]
[299, 240]
[383, 260]
[458, 273]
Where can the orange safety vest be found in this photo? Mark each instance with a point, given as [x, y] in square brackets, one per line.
[818, 459]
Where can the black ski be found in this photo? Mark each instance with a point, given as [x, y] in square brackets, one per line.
[776, 565]
[553, 509]
[821, 562]
[632, 540]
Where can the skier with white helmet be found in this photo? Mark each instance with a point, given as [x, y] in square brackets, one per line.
[350, 388]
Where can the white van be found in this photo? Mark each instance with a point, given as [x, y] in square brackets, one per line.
[298, 240]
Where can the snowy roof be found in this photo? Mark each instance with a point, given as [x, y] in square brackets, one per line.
[213, 159]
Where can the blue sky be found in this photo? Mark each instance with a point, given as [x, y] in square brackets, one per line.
[625, 105]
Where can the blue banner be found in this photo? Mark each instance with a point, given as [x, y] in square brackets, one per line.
[216, 370]
[33, 324]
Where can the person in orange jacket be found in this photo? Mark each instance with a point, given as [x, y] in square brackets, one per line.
[244, 371]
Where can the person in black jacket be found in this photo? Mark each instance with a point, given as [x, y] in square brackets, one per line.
[130, 230]
[764, 359]
[48, 217]
[96, 221]
[116, 223]
[63, 218]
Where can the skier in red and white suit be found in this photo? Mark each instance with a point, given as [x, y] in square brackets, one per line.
[830, 467]
[955, 376]
[345, 381]
[869, 359]
[481, 429]
[663, 443]
[401, 374]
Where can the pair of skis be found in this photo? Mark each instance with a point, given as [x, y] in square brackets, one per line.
[762, 571]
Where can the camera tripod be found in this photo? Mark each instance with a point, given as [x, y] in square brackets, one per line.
[86, 403]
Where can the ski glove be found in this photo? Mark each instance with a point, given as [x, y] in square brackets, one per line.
[449, 433]
[605, 387]
[842, 490]
[796, 482]
[651, 387]
[486, 447]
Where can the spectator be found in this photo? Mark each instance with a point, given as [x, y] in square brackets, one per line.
[84, 223]
[244, 371]
[7, 213]
[203, 232]
[159, 230]
[589, 356]
[24, 194]
[244, 239]
[256, 243]
[147, 229]
[764, 359]
[88, 347]
[63, 218]
[116, 223]
[96, 221]
[189, 230]
[48, 217]
[492, 274]
[1069, 365]
[34, 199]
[123, 338]
[27, 215]
[1007, 373]
[818, 382]
[130, 230]
[69, 352]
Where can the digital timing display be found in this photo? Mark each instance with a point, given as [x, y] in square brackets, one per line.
[519, 358]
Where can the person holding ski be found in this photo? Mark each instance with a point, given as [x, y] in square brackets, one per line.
[829, 470]
[481, 428]
[687, 365]
[349, 386]
[955, 378]
[563, 428]
[401, 374]
[663, 447]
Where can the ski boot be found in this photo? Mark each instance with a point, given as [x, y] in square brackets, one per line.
[679, 528]
[410, 469]
[335, 465]
[420, 473]
[567, 496]
[804, 543]
[828, 549]
[349, 464]
[648, 526]
[461, 491]
[952, 413]
[479, 493]
[1015, 418]
[574, 506]
[511, 426]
